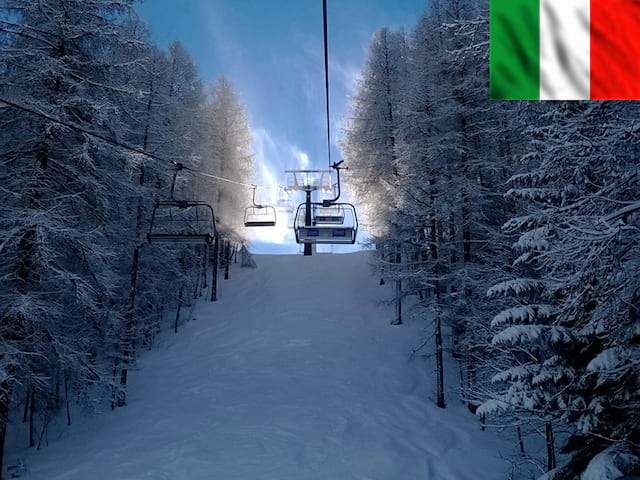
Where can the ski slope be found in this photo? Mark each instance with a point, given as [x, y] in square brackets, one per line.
[294, 374]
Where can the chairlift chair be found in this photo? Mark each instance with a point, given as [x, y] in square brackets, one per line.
[327, 233]
[282, 196]
[257, 215]
[338, 224]
[176, 221]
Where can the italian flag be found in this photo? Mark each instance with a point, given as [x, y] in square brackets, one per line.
[564, 49]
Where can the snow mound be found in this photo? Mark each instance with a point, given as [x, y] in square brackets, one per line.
[615, 463]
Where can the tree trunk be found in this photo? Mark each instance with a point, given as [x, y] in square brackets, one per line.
[416, 283]
[452, 239]
[45, 429]
[398, 261]
[440, 401]
[471, 381]
[121, 394]
[25, 412]
[521, 441]
[175, 326]
[227, 260]
[205, 262]
[551, 450]
[462, 386]
[398, 319]
[66, 398]
[466, 232]
[56, 395]
[214, 271]
[196, 285]
[221, 253]
[424, 255]
[32, 411]
[127, 352]
[6, 389]
[114, 382]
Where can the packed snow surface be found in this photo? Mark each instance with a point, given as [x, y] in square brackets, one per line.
[294, 374]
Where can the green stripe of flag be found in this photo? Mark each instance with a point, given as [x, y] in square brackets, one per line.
[514, 49]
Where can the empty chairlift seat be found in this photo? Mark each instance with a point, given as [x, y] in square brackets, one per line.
[182, 221]
[260, 216]
[185, 222]
[256, 215]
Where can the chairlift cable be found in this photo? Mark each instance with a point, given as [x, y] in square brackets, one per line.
[222, 179]
[124, 146]
[326, 76]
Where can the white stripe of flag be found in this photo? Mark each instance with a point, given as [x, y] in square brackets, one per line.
[564, 49]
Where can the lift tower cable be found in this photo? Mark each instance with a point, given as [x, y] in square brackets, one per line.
[326, 77]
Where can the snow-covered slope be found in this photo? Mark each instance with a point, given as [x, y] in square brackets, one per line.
[294, 374]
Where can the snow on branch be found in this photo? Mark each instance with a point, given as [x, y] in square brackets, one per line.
[518, 334]
[615, 360]
[522, 314]
[535, 239]
[516, 287]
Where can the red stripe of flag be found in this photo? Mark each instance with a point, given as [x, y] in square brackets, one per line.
[615, 49]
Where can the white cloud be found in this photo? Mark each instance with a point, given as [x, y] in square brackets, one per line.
[302, 158]
[347, 75]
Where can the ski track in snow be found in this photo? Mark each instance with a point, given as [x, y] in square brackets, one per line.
[279, 382]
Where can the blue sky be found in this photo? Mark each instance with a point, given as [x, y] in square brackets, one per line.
[272, 51]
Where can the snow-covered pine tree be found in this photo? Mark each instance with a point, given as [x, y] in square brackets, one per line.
[481, 146]
[167, 117]
[227, 153]
[80, 293]
[574, 329]
[369, 148]
[454, 153]
[58, 257]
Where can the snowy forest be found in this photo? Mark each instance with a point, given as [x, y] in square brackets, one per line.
[79, 296]
[516, 225]
[509, 231]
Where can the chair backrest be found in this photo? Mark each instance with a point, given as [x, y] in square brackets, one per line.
[182, 222]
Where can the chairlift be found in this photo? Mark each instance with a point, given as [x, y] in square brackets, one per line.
[282, 196]
[259, 215]
[328, 222]
[328, 231]
[288, 207]
[176, 221]
[284, 202]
